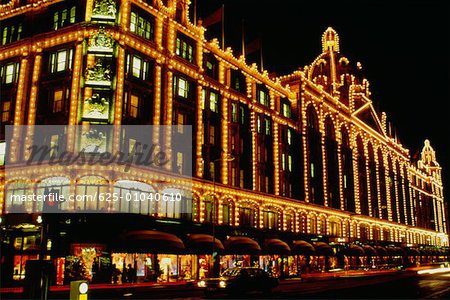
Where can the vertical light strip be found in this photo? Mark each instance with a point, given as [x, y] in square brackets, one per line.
[119, 87]
[377, 170]
[159, 33]
[225, 154]
[200, 131]
[125, 9]
[74, 91]
[32, 103]
[341, 172]
[157, 105]
[18, 110]
[34, 88]
[397, 208]
[388, 190]
[254, 156]
[89, 5]
[368, 186]
[356, 179]
[20, 92]
[276, 156]
[168, 118]
[324, 162]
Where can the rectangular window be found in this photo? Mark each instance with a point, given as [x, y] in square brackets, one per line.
[180, 162]
[180, 123]
[290, 163]
[233, 176]
[238, 81]
[286, 110]
[134, 106]
[6, 113]
[312, 170]
[9, 74]
[2, 153]
[226, 216]
[212, 135]
[11, 33]
[64, 17]
[289, 136]
[185, 48]
[258, 124]
[61, 60]
[268, 129]
[138, 67]
[203, 98]
[58, 100]
[234, 112]
[241, 178]
[242, 113]
[263, 96]
[214, 102]
[181, 87]
[142, 24]
[283, 161]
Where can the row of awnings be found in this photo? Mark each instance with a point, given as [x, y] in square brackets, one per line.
[151, 241]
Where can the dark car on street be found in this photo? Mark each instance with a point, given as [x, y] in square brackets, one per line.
[239, 280]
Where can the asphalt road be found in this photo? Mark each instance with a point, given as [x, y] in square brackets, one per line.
[399, 286]
[403, 285]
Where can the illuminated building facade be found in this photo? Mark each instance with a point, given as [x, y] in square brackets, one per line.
[313, 159]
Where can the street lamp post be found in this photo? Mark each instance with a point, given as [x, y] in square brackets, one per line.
[212, 167]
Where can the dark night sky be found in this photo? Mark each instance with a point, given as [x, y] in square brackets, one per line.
[402, 45]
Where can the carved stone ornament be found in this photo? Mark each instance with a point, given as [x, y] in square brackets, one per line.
[104, 8]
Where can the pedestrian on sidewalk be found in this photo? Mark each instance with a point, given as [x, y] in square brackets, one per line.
[115, 274]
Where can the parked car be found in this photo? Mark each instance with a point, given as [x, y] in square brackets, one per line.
[239, 280]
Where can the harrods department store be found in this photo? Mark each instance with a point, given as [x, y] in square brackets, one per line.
[317, 179]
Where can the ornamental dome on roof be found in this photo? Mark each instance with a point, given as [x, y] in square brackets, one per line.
[333, 67]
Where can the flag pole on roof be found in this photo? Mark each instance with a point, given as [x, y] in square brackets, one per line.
[214, 18]
[243, 36]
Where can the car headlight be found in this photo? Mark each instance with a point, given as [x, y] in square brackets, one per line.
[222, 284]
[201, 283]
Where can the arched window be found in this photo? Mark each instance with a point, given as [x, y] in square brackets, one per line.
[364, 232]
[362, 178]
[347, 172]
[391, 185]
[128, 191]
[373, 183]
[312, 224]
[376, 233]
[89, 187]
[332, 165]
[14, 191]
[209, 204]
[315, 158]
[227, 213]
[335, 228]
[323, 225]
[55, 185]
[289, 222]
[270, 219]
[246, 217]
[174, 209]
